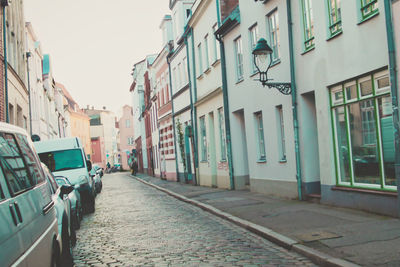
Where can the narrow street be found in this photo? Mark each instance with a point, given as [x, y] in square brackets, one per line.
[135, 224]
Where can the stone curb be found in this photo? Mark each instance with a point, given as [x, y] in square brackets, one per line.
[315, 256]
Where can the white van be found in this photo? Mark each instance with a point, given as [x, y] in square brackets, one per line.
[28, 223]
[66, 157]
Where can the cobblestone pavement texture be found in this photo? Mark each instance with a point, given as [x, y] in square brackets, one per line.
[137, 225]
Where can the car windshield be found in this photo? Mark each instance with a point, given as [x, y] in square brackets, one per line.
[62, 160]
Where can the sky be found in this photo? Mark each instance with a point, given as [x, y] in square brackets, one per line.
[93, 44]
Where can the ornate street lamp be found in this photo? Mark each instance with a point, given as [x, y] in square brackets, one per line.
[260, 54]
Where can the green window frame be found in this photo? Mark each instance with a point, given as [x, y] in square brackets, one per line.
[259, 127]
[253, 38]
[368, 9]
[216, 45]
[362, 124]
[203, 138]
[273, 32]
[222, 133]
[335, 17]
[239, 58]
[308, 25]
[207, 54]
[281, 133]
[200, 57]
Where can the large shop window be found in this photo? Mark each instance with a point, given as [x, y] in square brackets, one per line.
[363, 132]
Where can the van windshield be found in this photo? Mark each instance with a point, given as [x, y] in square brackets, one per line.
[63, 159]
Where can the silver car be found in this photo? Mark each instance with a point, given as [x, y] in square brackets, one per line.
[28, 223]
[75, 199]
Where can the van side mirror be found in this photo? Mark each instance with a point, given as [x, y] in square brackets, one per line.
[65, 190]
[89, 165]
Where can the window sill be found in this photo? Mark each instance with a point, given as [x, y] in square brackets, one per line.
[308, 50]
[282, 161]
[207, 70]
[203, 161]
[222, 160]
[216, 62]
[365, 191]
[370, 16]
[336, 34]
[262, 161]
[239, 80]
[200, 77]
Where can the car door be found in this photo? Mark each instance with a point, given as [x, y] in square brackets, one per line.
[11, 247]
[44, 217]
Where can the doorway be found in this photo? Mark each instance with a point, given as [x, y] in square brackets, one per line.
[310, 155]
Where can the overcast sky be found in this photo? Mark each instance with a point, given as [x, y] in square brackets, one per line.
[93, 44]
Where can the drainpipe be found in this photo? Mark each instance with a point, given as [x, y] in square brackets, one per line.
[394, 92]
[5, 62]
[226, 112]
[294, 101]
[191, 110]
[173, 115]
[28, 55]
[193, 99]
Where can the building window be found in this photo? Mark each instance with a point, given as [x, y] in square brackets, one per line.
[200, 58]
[308, 24]
[207, 54]
[239, 58]
[273, 26]
[281, 133]
[253, 33]
[368, 8]
[128, 123]
[203, 139]
[335, 17]
[260, 135]
[363, 132]
[216, 45]
[185, 71]
[222, 133]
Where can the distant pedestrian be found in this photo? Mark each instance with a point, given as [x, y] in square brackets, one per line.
[134, 167]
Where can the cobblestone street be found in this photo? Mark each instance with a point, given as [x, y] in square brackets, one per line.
[135, 224]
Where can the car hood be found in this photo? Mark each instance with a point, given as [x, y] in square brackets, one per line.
[72, 175]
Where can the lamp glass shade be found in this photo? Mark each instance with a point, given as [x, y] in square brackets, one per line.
[261, 62]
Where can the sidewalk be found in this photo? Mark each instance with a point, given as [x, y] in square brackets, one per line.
[308, 228]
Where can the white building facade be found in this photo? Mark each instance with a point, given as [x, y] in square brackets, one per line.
[181, 95]
[260, 118]
[206, 84]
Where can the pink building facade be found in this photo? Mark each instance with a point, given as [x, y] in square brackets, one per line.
[126, 132]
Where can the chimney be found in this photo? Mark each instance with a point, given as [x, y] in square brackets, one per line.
[92, 107]
[87, 106]
[104, 107]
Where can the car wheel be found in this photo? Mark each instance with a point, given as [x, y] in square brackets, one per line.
[55, 255]
[77, 219]
[73, 236]
[91, 206]
[66, 255]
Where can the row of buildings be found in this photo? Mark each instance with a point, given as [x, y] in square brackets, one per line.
[32, 98]
[201, 115]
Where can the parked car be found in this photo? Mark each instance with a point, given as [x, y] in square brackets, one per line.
[98, 184]
[98, 170]
[64, 219]
[75, 199]
[66, 157]
[28, 223]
